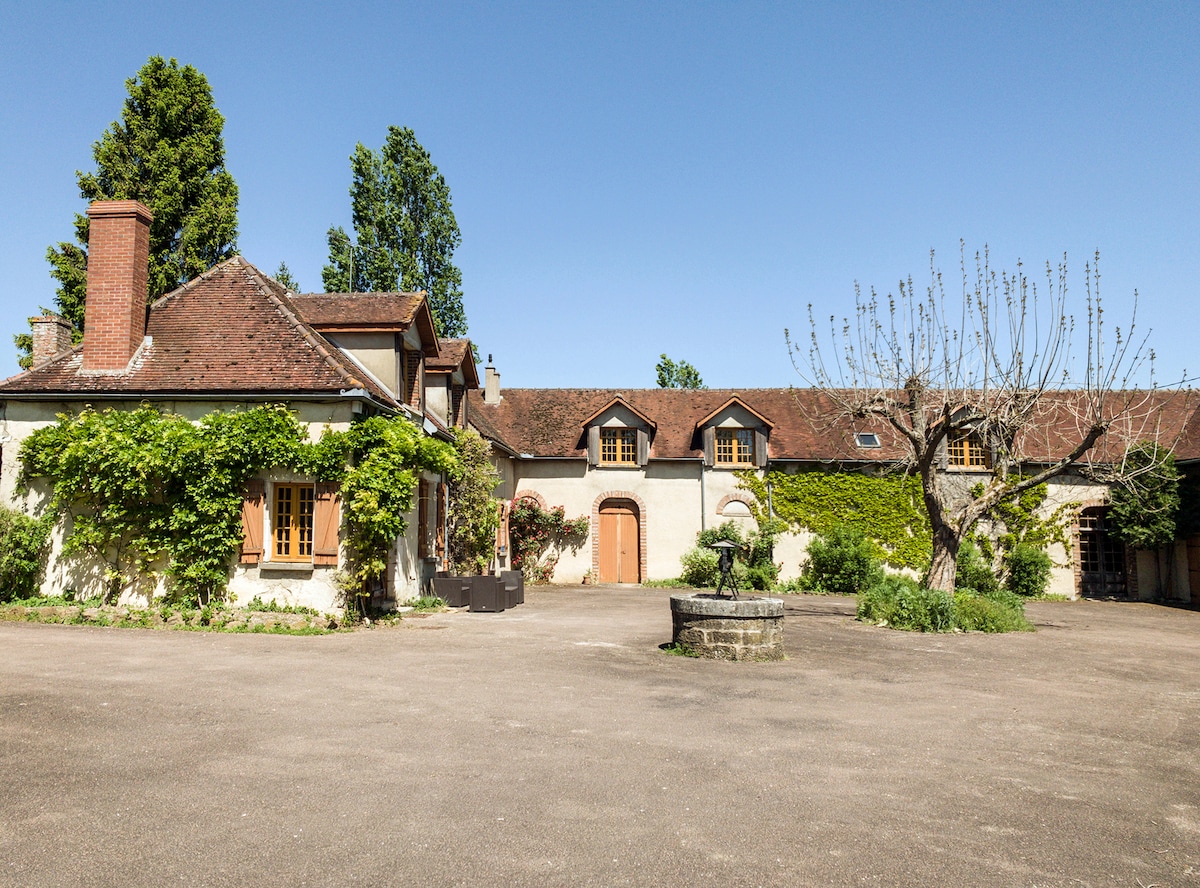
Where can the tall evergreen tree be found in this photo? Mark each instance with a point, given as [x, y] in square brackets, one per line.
[405, 230]
[167, 151]
[284, 276]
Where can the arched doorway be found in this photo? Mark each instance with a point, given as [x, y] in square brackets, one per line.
[620, 541]
[1101, 556]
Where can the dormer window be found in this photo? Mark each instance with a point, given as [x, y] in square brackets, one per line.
[735, 447]
[618, 435]
[734, 436]
[618, 447]
[967, 450]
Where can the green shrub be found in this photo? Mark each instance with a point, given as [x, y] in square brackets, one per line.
[902, 603]
[728, 532]
[974, 573]
[999, 612]
[1027, 571]
[23, 545]
[700, 568]
[842, 562]
[761, 578]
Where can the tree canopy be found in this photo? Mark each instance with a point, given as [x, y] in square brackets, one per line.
[988, 381]
[681, 375]
[167, 151]
[404, 228]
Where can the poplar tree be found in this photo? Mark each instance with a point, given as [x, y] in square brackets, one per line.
[167, 151]
[405, 232]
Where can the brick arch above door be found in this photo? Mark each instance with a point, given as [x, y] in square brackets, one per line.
[531, 495]
[595, 529]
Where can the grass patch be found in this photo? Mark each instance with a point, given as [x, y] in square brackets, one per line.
[428, 604]
[678, 650]
[210, 618]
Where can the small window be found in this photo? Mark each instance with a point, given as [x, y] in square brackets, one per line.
[618, 447]
[967, 450]
[866, 439]
[735, 447]
[292, 522]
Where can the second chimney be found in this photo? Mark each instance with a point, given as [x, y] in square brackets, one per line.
[491, 384]
[114, 319]
[51, 337]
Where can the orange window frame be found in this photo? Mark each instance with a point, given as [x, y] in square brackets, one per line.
[735, 447]
[292, 522]
[618, 447]
[967, 451]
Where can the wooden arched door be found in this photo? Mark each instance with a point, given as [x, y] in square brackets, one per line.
[620, 542]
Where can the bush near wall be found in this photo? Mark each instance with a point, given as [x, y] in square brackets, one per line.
[24, 543]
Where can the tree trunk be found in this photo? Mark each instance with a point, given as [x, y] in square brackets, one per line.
[943, 569]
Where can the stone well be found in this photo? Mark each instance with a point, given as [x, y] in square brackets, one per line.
[729, 629]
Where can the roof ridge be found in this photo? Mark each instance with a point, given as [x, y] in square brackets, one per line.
[237, 259]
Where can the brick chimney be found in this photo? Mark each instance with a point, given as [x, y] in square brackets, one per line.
[114, 320]
[51, 337]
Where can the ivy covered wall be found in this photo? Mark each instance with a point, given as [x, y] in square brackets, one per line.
[887, 508]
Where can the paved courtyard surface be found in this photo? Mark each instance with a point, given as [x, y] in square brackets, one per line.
[555, 744]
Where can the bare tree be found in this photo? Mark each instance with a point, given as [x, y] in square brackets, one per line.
[998, 381]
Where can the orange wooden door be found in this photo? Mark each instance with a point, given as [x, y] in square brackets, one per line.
[619, 549]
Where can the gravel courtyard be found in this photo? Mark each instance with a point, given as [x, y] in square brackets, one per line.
[555, 744]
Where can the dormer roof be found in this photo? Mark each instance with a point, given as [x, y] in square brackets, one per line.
[369, 313]
[619, 401]
[732, 402]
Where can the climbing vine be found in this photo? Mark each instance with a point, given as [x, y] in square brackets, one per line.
[1016, 522]
[378, 462]
[141, 487]
[533, 530]
[887, 508]
[474, 514]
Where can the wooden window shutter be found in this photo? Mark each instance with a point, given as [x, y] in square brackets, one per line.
[643, 447]
[423, 519]
[593, 450]
[440, 535]
[327, 519]
[252, 522]
[760, 447]
[709, 436]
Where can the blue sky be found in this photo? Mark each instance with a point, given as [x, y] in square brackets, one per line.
[632, 179]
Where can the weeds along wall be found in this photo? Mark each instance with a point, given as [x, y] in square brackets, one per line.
[143, 491]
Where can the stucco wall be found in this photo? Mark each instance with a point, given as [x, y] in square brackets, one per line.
[675, 510]
[314, 587]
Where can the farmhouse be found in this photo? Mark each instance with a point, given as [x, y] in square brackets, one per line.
[649, 469]
[230, 339]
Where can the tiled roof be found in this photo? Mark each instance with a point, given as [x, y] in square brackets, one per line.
[807, 423]
[452, 354]
[369, 312]
[358, 310]
[232, 330]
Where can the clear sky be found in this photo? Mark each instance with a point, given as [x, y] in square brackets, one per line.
[632, 179]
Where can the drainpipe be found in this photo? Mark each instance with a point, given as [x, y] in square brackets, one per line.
[702, 510]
